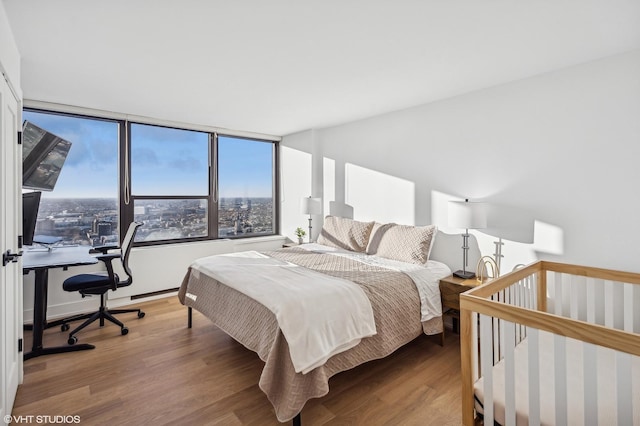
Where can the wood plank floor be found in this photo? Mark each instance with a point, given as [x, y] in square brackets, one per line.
[164, 373]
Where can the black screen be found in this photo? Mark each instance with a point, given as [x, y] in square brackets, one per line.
[30, 206]
[43, 155]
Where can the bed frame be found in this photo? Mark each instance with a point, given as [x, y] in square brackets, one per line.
[599, 308]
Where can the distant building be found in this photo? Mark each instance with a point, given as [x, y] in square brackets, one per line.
[105, 229]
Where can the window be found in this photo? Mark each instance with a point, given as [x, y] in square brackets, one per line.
[246, 187]
[83, 206]
[169, 182]
[184, 185]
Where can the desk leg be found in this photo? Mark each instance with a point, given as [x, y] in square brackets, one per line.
[40, 320]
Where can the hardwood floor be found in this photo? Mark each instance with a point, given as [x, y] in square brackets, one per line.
[164, 373]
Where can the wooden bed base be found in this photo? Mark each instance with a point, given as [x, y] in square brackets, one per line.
[521, 300]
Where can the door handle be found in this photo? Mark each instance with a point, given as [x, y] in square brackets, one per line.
[10, 257]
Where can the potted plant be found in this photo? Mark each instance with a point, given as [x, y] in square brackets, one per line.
[300, 233]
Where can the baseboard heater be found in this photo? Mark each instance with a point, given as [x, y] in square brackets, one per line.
[154, 293]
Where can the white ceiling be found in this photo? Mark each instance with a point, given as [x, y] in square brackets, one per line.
[281, 66]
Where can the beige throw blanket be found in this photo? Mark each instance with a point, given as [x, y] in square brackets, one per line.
[319, 315]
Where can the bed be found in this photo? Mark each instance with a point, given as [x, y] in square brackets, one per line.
[400, 285]
[552, 343]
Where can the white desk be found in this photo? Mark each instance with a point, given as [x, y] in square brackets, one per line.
[41, 260]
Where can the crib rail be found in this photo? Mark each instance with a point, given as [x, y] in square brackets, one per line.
[597, 307]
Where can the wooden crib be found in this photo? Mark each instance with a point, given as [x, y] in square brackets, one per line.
[552, 343]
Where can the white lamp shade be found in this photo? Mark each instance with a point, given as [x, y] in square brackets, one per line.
[309, 205]
[463, 214]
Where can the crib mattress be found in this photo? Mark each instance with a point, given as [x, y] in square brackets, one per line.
[606, 382]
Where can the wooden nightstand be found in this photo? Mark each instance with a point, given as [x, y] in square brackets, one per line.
[450, 289]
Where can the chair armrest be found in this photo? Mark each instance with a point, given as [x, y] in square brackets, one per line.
[107, 258]
[105, 248]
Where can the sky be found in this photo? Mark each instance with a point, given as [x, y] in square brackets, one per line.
[164, 161]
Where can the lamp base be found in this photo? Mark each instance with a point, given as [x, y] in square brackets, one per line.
[463, 274]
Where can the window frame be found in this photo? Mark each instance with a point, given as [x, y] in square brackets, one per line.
[86, 116]
[275, 184]
[126, 200]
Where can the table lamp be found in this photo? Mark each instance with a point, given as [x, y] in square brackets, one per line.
[310, 206]
[463, 214]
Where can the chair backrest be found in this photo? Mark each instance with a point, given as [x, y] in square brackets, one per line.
[127, 243]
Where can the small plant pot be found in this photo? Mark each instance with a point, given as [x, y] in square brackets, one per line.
[299, 240]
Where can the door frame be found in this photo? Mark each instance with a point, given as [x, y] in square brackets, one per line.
[11, 291]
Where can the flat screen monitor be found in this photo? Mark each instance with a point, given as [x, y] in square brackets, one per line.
[30, 206]
[43, 155]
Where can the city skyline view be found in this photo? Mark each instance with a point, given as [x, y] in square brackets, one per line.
[94, 221]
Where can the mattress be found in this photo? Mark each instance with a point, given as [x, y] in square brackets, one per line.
[606, 382]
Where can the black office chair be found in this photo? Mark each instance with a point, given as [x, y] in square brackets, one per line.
[100, 284]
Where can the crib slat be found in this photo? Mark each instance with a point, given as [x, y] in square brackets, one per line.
[590, 368]
[557, 286]
[497, 341]
[534, 377]
[486, 359]
[521, 302]
[623, 388]
[573, 296]
[542, 291]
[475, 368]
[518, 301]
[628, 308]
[534, 291]
[509, 372]
[591, 301]
[560, 373]
[608, 304]
[598, 289]
[565, 302]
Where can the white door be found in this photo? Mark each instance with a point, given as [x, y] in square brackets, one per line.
[10, 226]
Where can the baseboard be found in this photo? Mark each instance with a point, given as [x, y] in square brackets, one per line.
[129, 300]
[148, 296]
[62, 310]
[90, 304]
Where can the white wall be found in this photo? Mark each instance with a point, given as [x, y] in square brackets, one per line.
[299, 167]
[9, 55]
[155, 268]
[560, 149]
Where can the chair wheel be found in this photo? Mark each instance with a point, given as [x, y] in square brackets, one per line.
[72, 340]
[140, 314]
[124, 331]
[64, 327]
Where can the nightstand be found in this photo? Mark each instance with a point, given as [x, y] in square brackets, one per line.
[450, 289]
